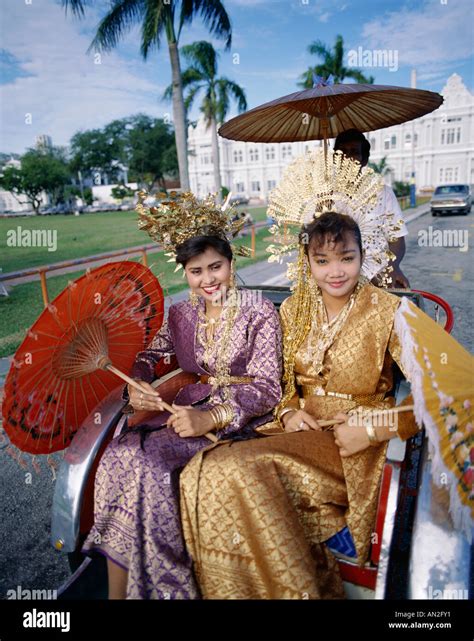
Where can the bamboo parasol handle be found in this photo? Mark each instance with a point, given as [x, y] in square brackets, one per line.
[133, 383]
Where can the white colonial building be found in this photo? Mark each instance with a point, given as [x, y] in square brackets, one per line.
[248, 169]
[444, 151]
[443, 140]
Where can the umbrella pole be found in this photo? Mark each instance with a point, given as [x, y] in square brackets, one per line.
[325, 129]
[130, 381]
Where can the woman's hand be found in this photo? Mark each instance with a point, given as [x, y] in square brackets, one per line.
[299, 421]
[149, 400]
[188, 422]
[350, 437]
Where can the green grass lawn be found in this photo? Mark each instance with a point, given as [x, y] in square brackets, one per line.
[22, 307]
[77, 236]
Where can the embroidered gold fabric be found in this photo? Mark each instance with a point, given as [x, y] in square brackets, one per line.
[255, 514]
[252, 520]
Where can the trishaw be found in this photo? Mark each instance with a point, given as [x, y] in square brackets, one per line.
[416, 552]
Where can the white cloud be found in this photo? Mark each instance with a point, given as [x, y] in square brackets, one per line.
[66, 91]
[324, 17]
[435, 33]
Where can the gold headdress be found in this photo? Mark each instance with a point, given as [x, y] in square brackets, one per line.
[179, 217]
[312, 185]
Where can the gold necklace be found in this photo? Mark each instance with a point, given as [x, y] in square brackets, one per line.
[209, 328]
[221, 346]
[325, 331]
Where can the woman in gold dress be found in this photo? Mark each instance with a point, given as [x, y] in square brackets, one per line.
[256, 515]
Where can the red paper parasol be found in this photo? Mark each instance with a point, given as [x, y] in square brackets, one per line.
[105, 317]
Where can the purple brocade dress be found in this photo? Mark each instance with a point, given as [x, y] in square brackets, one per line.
[137, 516]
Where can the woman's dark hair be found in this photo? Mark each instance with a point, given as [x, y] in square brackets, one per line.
[330, 227]
[353, 135]
[198, 245]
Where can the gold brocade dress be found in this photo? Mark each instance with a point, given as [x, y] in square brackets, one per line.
[256, 514]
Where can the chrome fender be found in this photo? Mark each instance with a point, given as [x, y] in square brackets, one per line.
[76, 467]
[440, 562]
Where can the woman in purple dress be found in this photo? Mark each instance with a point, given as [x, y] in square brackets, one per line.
[232, 339]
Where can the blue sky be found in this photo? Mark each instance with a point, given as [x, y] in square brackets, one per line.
[45, 69]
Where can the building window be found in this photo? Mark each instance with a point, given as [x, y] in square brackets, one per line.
[407, 140]
[450, 135]
[206, 159]
[238, 156]
[255, 185]
[270, 153]
[393, 142]
[253, 154]
[449, 175]
[239, 187]
[286, 151]
[372, 144]
[271, 184]
[386, 143]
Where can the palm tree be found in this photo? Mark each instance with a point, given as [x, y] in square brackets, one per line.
[158, 18]
[332, 65]
[201, 75]
[381, 167]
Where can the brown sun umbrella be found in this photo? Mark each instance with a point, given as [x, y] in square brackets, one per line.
[327, 110]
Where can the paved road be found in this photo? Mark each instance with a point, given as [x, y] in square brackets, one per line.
[445, 271]
[27, 560]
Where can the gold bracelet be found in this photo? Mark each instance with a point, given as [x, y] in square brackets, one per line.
[222, 415]
[286, 410]
[373, 440]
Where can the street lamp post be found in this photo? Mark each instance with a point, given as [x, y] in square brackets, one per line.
[413, 181]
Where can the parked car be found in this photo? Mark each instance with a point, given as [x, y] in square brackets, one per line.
[451, 199]
[239, 200]
[413, 550]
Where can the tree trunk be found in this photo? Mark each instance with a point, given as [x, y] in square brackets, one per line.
[216, 160]
[36, 204]
[179, 117]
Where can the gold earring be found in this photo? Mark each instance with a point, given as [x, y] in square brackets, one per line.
[193, 298]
